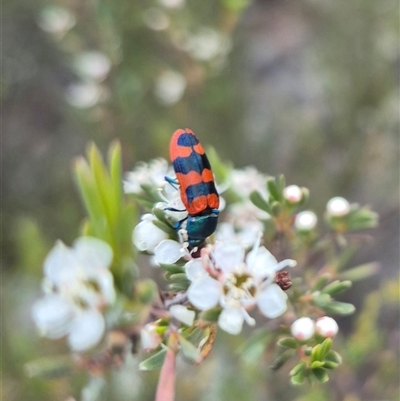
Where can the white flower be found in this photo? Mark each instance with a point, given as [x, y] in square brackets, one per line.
[338, 207]
[78, 285]
[305, 221]
[146, 235]
[152, 173]
[293, 194]
[226, 277]
[303, 329]
[327, 327]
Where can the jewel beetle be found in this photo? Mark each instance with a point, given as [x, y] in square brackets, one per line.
[197, 187]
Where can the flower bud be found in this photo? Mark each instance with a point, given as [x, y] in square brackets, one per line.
[149, 337]
[326, 326]
[293, 194]
[303, 328]
[338, 207]
[305, 221]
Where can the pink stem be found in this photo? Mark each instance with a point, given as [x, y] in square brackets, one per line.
[166, 382]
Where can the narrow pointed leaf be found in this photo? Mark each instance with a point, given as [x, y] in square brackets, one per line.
[189, 350]
[155, 361]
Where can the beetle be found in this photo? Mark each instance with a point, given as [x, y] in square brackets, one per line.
[197, 187]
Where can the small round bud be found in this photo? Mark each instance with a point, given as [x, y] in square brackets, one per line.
[293, 194]
[338, 206]
[303, 328]
[305, 221]
[326, 326]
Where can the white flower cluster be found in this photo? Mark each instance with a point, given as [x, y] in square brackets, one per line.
[78, 286]
[224, 276]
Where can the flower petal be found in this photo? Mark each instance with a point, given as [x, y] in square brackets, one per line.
[195, 270]
[262, 263]
[272, 301]
[205, 293]
[168, 251]
[52, 315]
[146, 236]
[86, 330]
[93, 253]
[183, 314]
[231, 321]
[228, 255]
[106, 283]
[61, 264]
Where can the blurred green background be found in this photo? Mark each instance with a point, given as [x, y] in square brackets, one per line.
[306, 88]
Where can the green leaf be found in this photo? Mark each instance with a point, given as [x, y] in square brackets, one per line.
[273, 189]
[161, 215]
[362, 218]
[154, 362]
[317, 364]
[50, 367]
[115, 168]
[320, 282]
[259, 201]
[281, 183]
[298, 373]
[337, 287]
[164, 227]
[103, 184]
[320, 351]
[189, 350]
[173, 269]
[276, 209]
[181, 277]
[316, 353]
[333, 356]
[325, 348]
[321, 374]
[298, 379]
[211, 315]
[288, 342]
[340, 308]
[330, 365]
[282, 359]
[179, 286]
[87, 189]
[360, 272]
